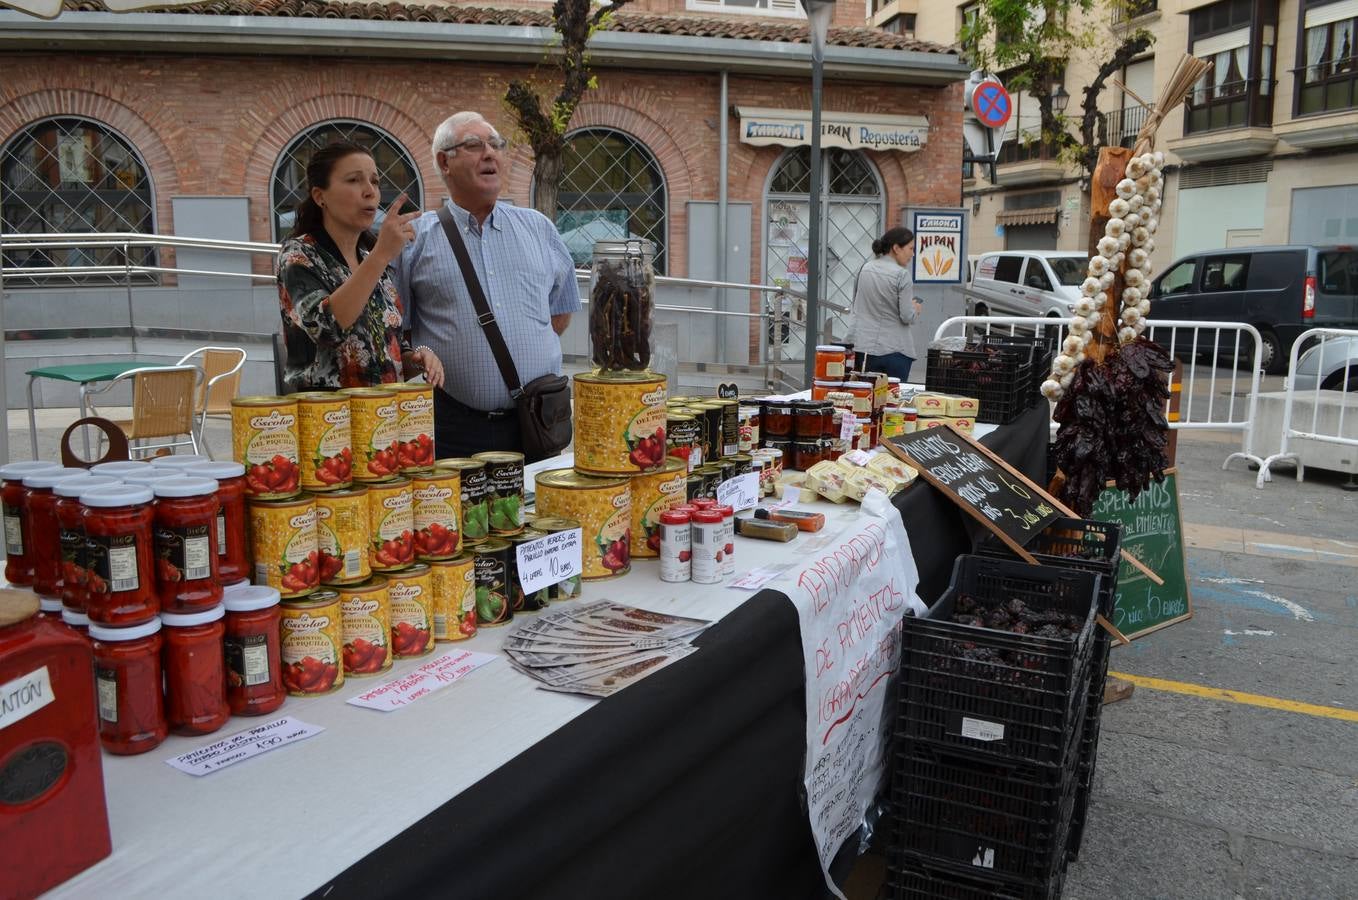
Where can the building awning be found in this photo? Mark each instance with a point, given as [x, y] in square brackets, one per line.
[1042, 215]
[848, 131]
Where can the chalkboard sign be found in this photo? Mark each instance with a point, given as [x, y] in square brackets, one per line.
[1152, 531]
[980, 482]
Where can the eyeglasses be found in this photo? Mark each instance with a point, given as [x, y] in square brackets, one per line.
[477, 145]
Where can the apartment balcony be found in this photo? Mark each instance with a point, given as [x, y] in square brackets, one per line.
[1033, 163]
[1227, 121]
[1122, 126]
[884, 11]
[1327, 107]
[1316, 132]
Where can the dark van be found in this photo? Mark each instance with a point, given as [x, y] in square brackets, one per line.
[1281, 291]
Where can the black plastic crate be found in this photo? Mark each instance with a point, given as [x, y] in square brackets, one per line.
[1010, 696]
[1012, 819]
[1087, 545]
[997, 377]
[1041, 350]
[913, 878]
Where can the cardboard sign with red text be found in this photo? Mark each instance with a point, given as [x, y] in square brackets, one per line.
[851, 595]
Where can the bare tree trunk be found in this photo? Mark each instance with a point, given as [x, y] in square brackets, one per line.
[547, 168]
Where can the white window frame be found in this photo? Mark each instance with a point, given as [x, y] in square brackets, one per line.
[778, 9]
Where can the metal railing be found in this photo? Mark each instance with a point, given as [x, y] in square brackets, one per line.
[779, 324]
[1209, 399]
[1331, 366]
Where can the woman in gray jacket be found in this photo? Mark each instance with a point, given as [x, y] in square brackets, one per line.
[885, 308]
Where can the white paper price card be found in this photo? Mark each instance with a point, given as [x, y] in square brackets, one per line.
[549, 560]
[439, 672]
[243, 745]
[847, 423]
[741, 492]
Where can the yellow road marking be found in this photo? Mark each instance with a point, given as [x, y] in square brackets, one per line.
[1211, 693]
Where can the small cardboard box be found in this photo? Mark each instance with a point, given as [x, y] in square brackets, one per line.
[960, 423]
[927, 405]
[963, 407]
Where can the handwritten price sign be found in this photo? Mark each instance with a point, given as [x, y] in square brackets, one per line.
[244, 745]
[741, 492]
[550, 560]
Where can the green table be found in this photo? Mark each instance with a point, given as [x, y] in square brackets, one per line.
[83, 374]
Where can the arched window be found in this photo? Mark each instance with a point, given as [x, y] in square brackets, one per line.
[395, 168]
[70, 175]
[611, 188]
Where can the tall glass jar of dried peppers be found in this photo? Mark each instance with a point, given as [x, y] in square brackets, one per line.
[621, 304]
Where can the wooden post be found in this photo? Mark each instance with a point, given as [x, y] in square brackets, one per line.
[1111, 169]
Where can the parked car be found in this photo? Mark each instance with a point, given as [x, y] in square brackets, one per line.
[1332, 365]
[1281, 291]
[1026, 283]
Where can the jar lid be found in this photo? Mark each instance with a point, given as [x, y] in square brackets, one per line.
[707, 517]
[184, 486]
[217, 470]
[184, 620]
[50, 604]
[74, 617]
[131, 633]
[250, 598]
[179, 460]
[674, 517]
[49, 477]
[117, 495]
[861, 385]
[74, 487]
[17, 470]
[120, 467]
[829, 348]
[726, 511]
[151, 475]
[17, 605]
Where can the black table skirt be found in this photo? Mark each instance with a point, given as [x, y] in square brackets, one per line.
[686, 785]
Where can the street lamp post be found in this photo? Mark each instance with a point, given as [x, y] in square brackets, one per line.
[818, 14]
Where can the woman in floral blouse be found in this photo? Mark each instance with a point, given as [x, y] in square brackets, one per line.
[342, 319]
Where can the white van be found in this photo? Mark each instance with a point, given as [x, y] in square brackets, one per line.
[1026, 283]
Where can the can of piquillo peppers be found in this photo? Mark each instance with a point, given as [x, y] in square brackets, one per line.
[326, 442]
[437, 498]
[311, 637]
[519, 599]
[264, 440]
[683, 438]
[415, 426]
[365, 611]
[475, 496]
[603, 507]
[283, 545]
[619, 423]
[375, 422]
[652, 494]
[391, 525]
[412, 611]
[504, 483]
[493, 606]
[342, 536]
[454, 582]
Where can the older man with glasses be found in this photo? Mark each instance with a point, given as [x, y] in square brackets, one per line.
[524, 271]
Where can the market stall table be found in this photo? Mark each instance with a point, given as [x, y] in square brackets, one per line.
[685, 785]
[83, 374]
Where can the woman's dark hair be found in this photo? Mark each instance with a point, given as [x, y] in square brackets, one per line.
[308, 219]
[892, 239]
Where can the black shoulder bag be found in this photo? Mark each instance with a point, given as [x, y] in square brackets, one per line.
[543, 404]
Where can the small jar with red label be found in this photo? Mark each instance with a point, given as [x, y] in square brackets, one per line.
[707, 537]
[121, 551]
[254, 673]
[151, 475]
[127, 681]
[195, 671]
[233, 563]
[18, 562]
[676, 548]
[44, 533]
[71, 535]
[186, 544]
[726, 555]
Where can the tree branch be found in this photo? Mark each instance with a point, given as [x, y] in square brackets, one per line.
[1133, 46]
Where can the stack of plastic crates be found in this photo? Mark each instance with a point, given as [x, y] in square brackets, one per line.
[1088, 546]
[997, 376]
[1041, 349]
[989, 733]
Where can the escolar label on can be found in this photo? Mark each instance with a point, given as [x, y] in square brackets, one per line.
[602, 506]
[475, 496]
[652, 494]
[365, 612]
[454, 582]
[264, 440]
[311, 635]
[438, 514]
[412, 611]
[342, 536]
[619, 423]
[374, 420]
[504, 487]
[415, 426]
[326, 443]
[284, 545]
[493, 606]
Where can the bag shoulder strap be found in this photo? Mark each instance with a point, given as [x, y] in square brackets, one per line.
[503, 359]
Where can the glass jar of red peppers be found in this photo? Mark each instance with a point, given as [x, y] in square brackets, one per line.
[44, 534]
[18, 564]
[118, 540]
[777, 420]
[195, 671]
[71, 535]
[233, 564]
[254, 674]
[127, 680]
[186, 544]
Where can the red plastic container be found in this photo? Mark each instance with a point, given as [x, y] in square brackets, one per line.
[44, 534]
[186, 544]
[128, 682]
[18, 564]
[71, 524]
[122, 579]
[53, 822]
[195, 671]
[254, 669]
[233, 563]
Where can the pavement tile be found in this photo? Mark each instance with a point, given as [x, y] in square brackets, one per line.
[1277, 870]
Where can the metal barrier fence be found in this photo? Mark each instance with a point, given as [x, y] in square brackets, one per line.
[1209, 399]
[1322, 359]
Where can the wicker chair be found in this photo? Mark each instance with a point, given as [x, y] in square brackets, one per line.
[162, 406]
[221, 382]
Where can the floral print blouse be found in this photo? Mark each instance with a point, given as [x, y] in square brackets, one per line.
[321, 354]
